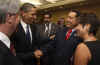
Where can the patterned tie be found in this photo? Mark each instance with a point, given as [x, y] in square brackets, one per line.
[28, 33]
[68, 34]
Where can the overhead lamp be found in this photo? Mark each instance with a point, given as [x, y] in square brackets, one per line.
[52, 1]
[35, 2]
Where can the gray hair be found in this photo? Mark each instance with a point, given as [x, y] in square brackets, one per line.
[11, 6]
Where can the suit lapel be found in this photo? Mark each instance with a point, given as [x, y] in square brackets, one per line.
[22, 33]
[4, 49]
[21, 29]
[65, 32]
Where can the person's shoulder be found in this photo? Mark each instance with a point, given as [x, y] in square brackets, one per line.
[82, 45]
[83, 51]
[82, 48]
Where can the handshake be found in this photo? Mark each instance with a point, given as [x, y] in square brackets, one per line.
[38, 53]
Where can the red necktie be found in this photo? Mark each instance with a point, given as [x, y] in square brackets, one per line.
[12, 49]
[68, 34]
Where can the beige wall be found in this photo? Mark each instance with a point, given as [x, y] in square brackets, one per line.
[88, 8]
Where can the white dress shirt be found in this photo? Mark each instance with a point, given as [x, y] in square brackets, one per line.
[24, 25]
[48, 28]
[4, 38]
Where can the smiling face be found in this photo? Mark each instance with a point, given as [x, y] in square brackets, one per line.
[71, 20]
[29, 16]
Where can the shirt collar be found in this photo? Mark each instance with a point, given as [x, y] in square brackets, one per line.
[23, 24]
[73, 30]
[4, 38]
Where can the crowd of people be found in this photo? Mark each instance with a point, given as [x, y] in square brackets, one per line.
[23, 41]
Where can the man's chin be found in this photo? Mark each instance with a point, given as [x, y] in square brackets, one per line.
[68, 25]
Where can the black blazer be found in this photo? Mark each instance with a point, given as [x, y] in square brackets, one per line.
[24, 48]
[6, 57]
[64, 49]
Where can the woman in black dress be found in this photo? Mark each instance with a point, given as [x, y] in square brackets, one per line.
[88, 52]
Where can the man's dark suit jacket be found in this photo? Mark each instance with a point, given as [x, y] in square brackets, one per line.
[6, 57]
[64, 49]
[43, 40]
[24, 48]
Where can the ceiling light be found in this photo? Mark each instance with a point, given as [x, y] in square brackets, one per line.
[52, 1]
[35, 2]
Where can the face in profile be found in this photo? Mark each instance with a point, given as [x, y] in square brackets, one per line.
[30, 16]
[12, 21]
[71, 20]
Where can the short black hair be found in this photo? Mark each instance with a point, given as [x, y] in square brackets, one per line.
[26, 7]
[92, 19]
[77, 12]
[48, 13]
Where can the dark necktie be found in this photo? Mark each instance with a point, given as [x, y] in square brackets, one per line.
[68, 34]
[28, 33]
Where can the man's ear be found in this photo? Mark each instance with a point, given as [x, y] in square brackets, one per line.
[22, 13]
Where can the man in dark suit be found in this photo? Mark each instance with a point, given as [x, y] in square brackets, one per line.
[44, 33]
[66, 41]
[8, 24]
[45, 29]
[23, 38]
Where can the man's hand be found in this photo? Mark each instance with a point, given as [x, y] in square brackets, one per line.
[38, 53]
[52, 37]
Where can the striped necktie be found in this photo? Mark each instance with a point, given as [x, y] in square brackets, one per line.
[68, 34]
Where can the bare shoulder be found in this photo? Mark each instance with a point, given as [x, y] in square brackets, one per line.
[83, 50]
[82, 46]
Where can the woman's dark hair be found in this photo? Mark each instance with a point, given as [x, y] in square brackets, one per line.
[92, 19]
